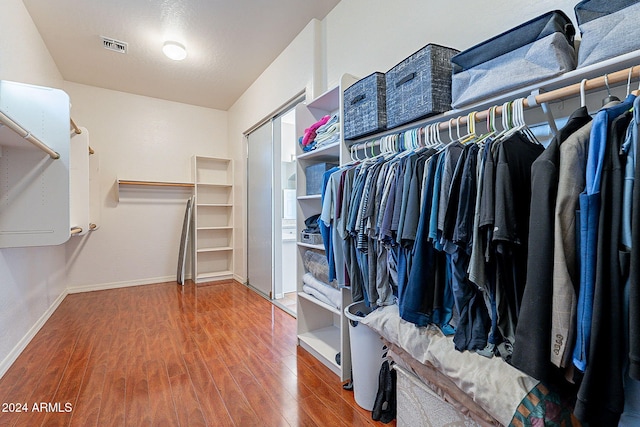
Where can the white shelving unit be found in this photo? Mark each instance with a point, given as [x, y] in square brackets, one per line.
[322, 329]
[35, 165]
[213, 219]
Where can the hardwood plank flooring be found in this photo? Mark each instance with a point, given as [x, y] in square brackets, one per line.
[164, 354]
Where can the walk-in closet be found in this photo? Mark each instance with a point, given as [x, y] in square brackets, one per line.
[327, 213]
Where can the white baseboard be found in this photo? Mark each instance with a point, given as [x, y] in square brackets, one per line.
[17, 350]
[240, 279]
[22, 344]
[116, 285]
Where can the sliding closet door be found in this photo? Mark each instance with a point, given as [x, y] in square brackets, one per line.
[260, 209]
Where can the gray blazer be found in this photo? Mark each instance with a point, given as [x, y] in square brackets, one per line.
[566, 280]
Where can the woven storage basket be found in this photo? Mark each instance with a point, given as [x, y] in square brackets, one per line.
[419, 86]
[310, 238]
[365, 109]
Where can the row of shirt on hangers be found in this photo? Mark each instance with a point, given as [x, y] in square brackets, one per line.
[579, 319]
[509, 247]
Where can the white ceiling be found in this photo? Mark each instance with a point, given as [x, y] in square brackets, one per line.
[229, 42]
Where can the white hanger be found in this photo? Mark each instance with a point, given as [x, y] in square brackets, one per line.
[436, 132]
[583, 96]
[429, 136]
[522, 125]
[505, 116]
[471, 123]
[609, 97]
[433, 141]
[450, 135]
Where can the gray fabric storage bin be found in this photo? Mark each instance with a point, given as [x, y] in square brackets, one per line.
[311, 238]
[419, 86]
[530, 53]
[609, 28]
[365, 109]
[313, 176]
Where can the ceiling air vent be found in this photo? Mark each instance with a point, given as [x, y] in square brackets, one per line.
[114, 45]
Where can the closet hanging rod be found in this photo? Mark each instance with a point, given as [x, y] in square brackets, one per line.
[156, 183]
[8, 122]
[76, 230]
[530, 102]
[555, 95]
[75, 127]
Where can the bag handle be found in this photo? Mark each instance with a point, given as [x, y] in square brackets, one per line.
[406, 79]
[358, 99]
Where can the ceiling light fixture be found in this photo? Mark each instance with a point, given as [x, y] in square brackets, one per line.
[174, 50]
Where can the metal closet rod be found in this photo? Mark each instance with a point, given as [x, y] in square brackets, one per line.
[156, 183]
[554, 95]
[8, 122]
[78, 131]
[75, 127]
[531, 101]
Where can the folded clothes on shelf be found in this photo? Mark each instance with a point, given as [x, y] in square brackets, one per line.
[324, 132]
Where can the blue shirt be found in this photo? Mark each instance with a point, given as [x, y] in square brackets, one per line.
[589, 201]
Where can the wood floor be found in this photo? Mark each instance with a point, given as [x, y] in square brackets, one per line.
[167, 355]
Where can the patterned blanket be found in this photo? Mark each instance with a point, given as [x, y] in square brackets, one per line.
[493, 391]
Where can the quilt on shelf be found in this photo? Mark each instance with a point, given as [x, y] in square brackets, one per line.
[489, 390]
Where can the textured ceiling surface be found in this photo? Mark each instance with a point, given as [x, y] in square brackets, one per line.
[229, 42]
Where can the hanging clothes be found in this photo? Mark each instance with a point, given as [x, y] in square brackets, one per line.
[416, 296]
[486, 219]
[601, 396]
[589, 214]
[328, 217]
[533, 333]
[429, 279]
[511, 226]
[631, 413]
[473, 322]
[566, 276]
[326, 227]
[515, 250]
[634, 270]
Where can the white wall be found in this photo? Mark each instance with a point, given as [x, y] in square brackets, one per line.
[363, 36]
[23, 55]
[295, 70]
[32, 280]
[138, 138]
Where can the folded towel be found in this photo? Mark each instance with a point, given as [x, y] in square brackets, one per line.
[317, 294]
[316, 287]
[310, 132]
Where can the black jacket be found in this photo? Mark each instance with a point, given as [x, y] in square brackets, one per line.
[533, 333]
[601, 394]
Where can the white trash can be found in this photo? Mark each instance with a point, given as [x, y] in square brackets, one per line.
[367, 352]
